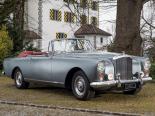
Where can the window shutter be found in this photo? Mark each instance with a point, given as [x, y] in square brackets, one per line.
[83, 19]
[94, 21]
[73, 18]
[51, 14]
[59, 16]
[65, 17]
[57, 35]
[65, 35]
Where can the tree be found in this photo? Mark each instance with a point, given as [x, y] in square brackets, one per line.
[5, 44]
[15, 24]
[128, 37]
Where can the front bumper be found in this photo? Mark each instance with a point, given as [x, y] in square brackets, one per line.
[116, 83]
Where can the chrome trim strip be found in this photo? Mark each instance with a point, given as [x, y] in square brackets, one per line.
[115, 82]
[120, 56]
[146, 79]
[53, 82]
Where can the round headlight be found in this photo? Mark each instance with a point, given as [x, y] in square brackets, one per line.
[105, 71]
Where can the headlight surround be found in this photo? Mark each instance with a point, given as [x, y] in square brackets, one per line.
[105, 70]
[101, 70]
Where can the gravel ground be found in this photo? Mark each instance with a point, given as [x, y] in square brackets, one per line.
[10, 110]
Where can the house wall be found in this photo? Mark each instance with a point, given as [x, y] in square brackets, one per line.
[106, 40]
[49, 27]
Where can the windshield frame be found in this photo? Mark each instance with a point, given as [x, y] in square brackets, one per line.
[68, 39]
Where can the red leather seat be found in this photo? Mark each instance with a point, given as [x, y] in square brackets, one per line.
[27, 53]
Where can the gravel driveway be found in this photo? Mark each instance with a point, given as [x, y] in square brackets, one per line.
[10, 110]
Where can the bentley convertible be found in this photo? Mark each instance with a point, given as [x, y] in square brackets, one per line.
[76, 65]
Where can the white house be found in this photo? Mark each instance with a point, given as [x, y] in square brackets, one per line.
[51, 19]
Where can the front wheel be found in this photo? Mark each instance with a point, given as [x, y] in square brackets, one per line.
[19, 80]
[81, 87]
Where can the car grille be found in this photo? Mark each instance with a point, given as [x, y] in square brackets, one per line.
[124, 68]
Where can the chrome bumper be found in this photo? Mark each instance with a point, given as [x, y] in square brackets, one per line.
[114, 83]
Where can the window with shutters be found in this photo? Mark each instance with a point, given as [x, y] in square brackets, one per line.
[69, 17]
[55, 15]
[94, 5]
[61, 35]
[83, 3]
[83, 19]
[94, 21]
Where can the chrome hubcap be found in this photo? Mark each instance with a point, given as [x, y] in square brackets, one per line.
[18, 78]
[79, 86]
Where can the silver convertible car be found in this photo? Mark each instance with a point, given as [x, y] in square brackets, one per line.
[76, 65]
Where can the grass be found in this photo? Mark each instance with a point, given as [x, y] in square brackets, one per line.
[143, 102]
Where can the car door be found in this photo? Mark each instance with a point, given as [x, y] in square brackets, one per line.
[41, 68]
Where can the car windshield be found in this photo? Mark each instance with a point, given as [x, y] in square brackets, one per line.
[72, 45]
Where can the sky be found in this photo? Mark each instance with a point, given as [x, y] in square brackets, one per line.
[107, 14]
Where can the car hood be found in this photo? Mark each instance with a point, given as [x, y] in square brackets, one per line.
[90, 55]
[96, 55]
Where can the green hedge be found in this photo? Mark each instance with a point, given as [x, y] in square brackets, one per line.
[152, 71]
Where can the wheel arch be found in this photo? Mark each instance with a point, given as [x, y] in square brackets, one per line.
[69, 76]
[13, 71]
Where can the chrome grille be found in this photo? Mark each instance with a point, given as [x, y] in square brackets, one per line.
[124, 68]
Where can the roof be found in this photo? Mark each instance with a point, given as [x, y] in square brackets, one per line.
[31, 35]
[89, 29]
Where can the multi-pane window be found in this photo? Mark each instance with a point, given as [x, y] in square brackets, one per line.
[83, 19]
[94, 21]
[94, 5]
[70, 1]
[83, 3]
[55, 15]
[61, 35]
[69, 17]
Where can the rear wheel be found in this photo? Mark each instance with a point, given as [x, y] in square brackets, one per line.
[19, 80]
[81, 87]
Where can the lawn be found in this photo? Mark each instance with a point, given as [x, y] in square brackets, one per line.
[144, 102]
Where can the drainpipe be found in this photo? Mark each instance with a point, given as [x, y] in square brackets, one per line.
[40, 5]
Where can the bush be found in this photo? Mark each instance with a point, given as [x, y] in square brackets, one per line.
[6, 45]
[152, 71]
